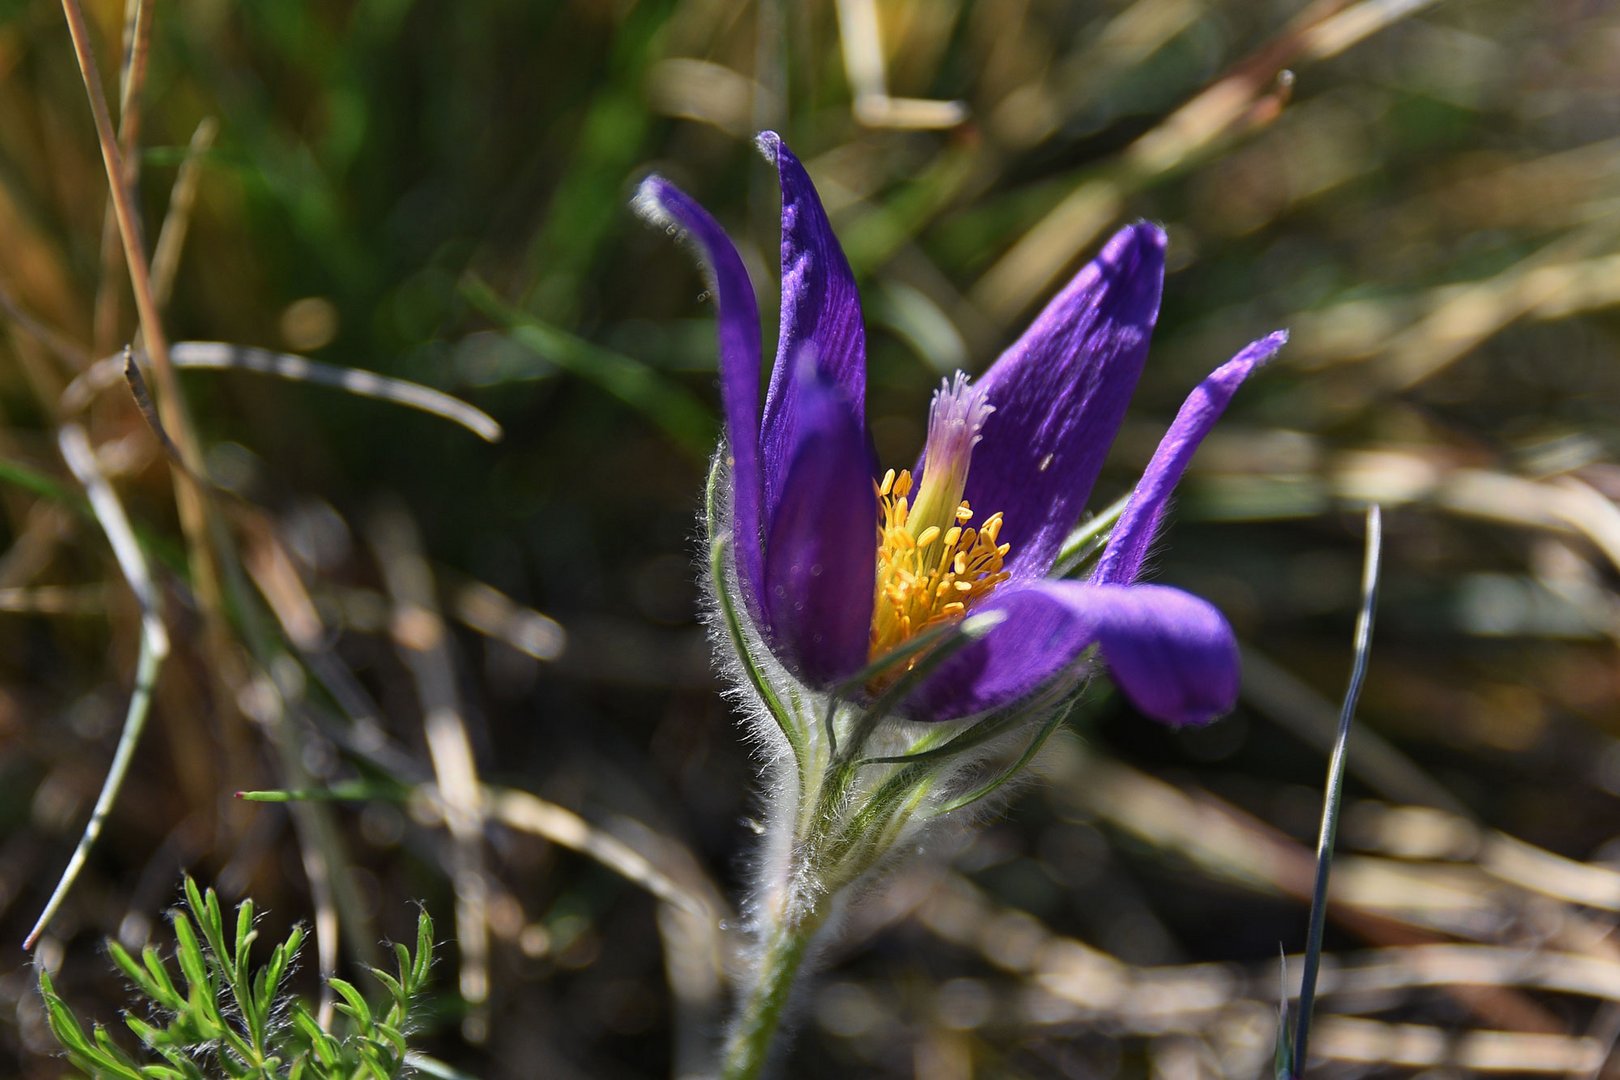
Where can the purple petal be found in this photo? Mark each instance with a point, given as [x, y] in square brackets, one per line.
[664, 203]
[1060, 393]
[820, 309]
[1122, 560]
[1170, 653]
[820, 557]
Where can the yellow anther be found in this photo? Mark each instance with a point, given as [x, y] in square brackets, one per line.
[929, 577]
[932, 567]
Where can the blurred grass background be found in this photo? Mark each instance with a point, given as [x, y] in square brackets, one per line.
[1426, 193]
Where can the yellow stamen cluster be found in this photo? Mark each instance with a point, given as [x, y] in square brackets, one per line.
[932, 576]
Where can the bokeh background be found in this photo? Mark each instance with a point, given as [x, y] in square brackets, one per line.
[1426, 193]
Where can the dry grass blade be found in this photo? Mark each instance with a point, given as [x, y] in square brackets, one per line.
[1075, 981]
[1081, 984]
[131, 83]
[689, 919]
[1383, 901]
[1461, 317]
[53, 600]
[1340, 30]
[188, 495]
[1250, 94]
[1563, 504]
[1289, 483]
[710, 93]
[1422, 832]
[149, 413]
[222, 356]
[1416, 1046]
[278, 689]
[109, 512]
[71, 355]
[1537, 870]
[80, 457]
[182, 197]
[1451, 319]
[278, 580]
[531, 814]
[1415, 966]
[420, 634]
[864, 65]
[219, 356]
[491, 612]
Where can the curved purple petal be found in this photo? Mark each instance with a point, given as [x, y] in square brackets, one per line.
[1122, 559]
[1060, 394]
[820, 309]
[820, 561]
[1171, 653]
[664, 203]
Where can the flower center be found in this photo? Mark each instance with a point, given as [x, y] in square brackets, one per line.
[932, 564]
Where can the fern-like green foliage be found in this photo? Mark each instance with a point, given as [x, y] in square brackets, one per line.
[223, 1018]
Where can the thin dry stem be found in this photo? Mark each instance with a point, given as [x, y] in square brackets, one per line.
[532, 814]
[137, 49]
[182, 197]
[423, 640]
[188, 496]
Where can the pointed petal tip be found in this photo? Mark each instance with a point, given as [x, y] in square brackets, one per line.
[683, 218]
[1140, 246]
[820, 307]
[1268, 345]
[790, 170]
[1061, 392]
[1253, 356]
[648, 201]
[1144, 233]
[1127, 548]
[1136, 253]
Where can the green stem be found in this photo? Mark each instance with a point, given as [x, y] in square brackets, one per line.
[760, 1015]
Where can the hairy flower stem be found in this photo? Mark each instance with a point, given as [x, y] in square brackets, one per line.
[762, 1010]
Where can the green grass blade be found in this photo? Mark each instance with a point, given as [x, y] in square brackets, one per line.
[681, 415]
[1334, 794]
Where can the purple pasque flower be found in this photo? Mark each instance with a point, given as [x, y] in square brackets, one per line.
[834, 577]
